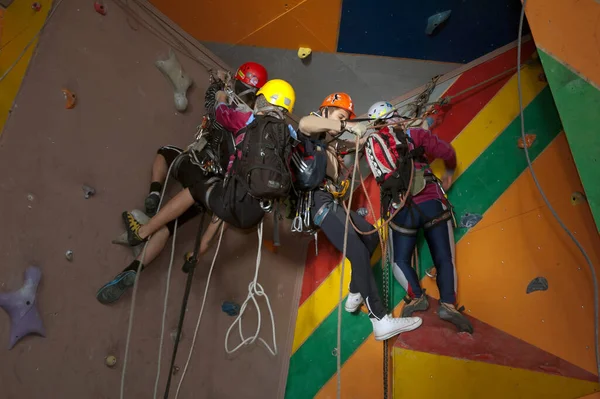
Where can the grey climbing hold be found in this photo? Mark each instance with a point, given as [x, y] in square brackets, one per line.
[537, 284]
[436, 20]
[362, 211]
[469, 220]
[69, 255]
[88, 191]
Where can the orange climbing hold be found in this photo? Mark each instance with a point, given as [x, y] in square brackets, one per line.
[270, 246]
[70, 99]
[529, 139]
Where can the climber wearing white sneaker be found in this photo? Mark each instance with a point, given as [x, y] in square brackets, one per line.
[329, 215]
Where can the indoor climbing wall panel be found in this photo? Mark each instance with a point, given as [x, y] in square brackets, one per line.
[372, 52]
[516, 241]
[19, 24]
[124, 112]
[566, 33]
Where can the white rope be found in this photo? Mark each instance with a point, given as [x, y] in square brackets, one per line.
[164, 315]
[135, 287]
[187, 363]
[339, 321]
[254, 289]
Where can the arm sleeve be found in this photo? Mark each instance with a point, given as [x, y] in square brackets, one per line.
[313, 125]
[231, 119]
[434, 147]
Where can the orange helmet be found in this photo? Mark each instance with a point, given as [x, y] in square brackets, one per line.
[339, 100]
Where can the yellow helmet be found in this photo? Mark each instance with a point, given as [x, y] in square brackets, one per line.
[279, 92]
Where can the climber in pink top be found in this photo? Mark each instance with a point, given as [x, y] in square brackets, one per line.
[389, 152]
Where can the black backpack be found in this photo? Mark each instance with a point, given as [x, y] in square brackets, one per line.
[263, 157]
[309, 163]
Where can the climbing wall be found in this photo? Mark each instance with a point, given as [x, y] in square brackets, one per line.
[532, 345]
[124, 112]
[372, 52]
[566, 33]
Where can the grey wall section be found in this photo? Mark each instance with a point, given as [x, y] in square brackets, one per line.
[124, 112]
[366, 78]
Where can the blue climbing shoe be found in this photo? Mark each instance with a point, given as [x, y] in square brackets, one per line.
[113, 290]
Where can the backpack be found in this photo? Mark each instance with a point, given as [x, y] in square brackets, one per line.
[262, 159]
[389, 155]
[309, 163]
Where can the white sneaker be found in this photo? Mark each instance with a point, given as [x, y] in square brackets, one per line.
[353, 302]
[388, 326]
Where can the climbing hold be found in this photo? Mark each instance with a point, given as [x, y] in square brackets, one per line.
[231, 308]
[175, 370]
[362, 211]
[304, 52]
[469, 220]
[69, 255]
[270, 246]
[100, 8]
[180, 80]
[70, 99]
[88, 191]
[537, 284]
[436, 20]
[529, 139]
[36, 6]
[110, 361]
[21, 308]
[577, 198]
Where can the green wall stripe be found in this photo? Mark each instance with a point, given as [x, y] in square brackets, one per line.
[314, 363]
[578, 103]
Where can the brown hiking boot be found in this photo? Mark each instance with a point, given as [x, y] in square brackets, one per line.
[415, 305]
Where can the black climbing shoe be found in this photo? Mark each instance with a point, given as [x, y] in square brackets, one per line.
[133, 227]
[455, 317]
[151, 203]
[416, 305]
[114, 289]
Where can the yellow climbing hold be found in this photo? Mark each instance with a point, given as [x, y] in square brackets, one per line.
[577, 198]
[111, 361]
[304, 52]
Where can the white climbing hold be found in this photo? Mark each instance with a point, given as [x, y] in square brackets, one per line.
[172, 70]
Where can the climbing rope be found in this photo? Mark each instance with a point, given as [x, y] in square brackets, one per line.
[135, 287]
[254, 289]
[543, 194]
[164, 315]
[187, 363]
[341, 296]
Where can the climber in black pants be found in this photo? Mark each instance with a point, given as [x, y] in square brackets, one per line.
[328, 213]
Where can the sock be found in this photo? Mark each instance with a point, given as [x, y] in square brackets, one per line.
[133, 266]
[155, 186]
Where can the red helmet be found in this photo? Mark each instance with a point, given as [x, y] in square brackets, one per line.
[252, 74]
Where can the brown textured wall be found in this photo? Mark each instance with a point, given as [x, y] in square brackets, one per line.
[125, 111]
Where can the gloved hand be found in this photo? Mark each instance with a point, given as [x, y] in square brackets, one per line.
[356, 128]
[221, 97]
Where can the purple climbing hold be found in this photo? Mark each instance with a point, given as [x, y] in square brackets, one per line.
[21, 308]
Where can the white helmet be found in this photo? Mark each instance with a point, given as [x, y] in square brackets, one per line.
[381, 110]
